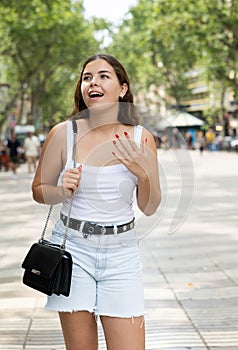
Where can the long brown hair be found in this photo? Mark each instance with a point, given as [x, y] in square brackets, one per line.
[127, 111]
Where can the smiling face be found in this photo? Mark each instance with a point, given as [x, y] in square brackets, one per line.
[109, 83]
[100, 84]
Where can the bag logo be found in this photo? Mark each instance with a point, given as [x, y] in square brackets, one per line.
[36, 272]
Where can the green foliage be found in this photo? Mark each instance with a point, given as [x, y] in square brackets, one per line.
[44, 41]
[162, 39]
[152, 40]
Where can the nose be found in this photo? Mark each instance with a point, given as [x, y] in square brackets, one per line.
[93, 81]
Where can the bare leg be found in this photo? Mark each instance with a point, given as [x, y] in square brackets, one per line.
[124, 333]
[14, 167]
[29, 167]
[34, 163]
[29, 164]
[79, 330]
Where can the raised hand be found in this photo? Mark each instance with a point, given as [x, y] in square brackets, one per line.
[136, 159]
[142, 162]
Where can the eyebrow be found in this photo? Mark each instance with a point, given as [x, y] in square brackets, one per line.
[101, 71]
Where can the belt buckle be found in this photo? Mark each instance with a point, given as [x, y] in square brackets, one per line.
[88, 230]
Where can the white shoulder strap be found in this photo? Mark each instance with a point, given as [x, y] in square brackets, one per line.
[138, 134]
[70, 140]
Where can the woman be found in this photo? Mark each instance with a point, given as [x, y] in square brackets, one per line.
[114, 157]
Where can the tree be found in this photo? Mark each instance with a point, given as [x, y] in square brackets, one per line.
[44, 41]
[154, 42]
[160, 40]
[218, 36]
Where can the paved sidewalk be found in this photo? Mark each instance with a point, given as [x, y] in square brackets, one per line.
[191, 273]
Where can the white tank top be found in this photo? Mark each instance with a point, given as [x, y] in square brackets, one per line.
[106, 193]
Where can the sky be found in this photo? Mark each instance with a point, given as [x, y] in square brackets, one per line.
[111, 10]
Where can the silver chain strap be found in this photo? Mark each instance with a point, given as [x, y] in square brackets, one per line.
[70, 204]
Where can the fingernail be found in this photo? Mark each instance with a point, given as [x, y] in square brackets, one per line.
[80, 167]
[114, 153]
[117, 136]
[125, 133]
[114, 142]
[146, 139]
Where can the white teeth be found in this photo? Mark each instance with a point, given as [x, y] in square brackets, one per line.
[95, 94]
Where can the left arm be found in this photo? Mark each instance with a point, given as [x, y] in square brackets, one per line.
[143, 163]
[148, 187]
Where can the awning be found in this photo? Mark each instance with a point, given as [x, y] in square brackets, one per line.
[179, 119]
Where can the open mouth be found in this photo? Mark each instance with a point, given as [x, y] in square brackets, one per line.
[95, 94]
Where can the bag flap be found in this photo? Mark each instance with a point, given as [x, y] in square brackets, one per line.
[42, 259]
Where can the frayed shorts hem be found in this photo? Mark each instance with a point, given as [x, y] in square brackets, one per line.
[120, 316]
[91, 311]
[98, 314]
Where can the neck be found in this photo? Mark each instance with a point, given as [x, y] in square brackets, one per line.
[103, 115]
[106, 128]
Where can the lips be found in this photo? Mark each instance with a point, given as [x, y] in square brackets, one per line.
[95, 94]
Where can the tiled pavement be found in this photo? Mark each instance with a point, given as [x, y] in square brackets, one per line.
[191, 275]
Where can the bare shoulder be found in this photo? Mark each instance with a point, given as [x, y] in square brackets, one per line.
[147, 134]
[57, 133]
[59, 129]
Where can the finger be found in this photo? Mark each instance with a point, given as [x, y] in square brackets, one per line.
[71, 182]
[71, 178]
[119, 158]
[74, 170]
[74, 173]
[131, 141]
[121, 151]
[71, 186]
[126, 143]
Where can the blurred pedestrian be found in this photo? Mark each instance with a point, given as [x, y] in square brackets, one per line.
[4, 157]
[200, 142]
[13, 145]
[189, 140]
[32, 151]
[210, 138]
[175, 139]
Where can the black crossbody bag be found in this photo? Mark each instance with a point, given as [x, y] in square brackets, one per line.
[48, 266]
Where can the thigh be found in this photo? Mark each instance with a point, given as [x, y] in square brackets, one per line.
[120, 288]
[124, 333]
[29, 159]
[83, 285]
[79, 330]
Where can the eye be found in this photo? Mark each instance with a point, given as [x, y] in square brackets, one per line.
[104, 76]
[87, 78]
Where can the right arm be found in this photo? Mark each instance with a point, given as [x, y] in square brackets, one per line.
[45, 187]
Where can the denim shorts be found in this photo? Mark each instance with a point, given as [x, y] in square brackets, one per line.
[107, 274]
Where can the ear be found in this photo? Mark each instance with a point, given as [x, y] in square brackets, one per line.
[124, 89]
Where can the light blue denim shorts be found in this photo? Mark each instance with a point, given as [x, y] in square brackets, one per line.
[107, 276]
